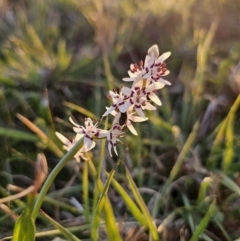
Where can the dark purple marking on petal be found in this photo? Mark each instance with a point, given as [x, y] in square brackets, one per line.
[89, 137]
[97, 133]
[121, 103]
[138, 106]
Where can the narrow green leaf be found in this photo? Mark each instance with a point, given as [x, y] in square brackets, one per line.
[110, 221]
[85, 192]
[45, 139]
[18, 135]
[24, 229]
[143, 207]
[67, 234]
[224, 128]
[204, 222]
[229, 150]
[188, 214]
[68, 156]
[79, 109]
[129, 202]
[229, 183]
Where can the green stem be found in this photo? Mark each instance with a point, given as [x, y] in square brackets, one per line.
[69, 155]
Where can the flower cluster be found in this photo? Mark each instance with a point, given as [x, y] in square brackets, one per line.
[128, 104]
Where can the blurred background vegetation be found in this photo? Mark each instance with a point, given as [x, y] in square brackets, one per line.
[60, 58]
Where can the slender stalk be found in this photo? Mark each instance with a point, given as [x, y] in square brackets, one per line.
[69, 155]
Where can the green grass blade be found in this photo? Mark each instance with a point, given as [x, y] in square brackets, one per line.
[230, 184]
[143, 207]
[85, 191]
[224, 127]
[69, 155]
[204, 222]
[110, 221]
[229, 151]
[129, 202]
[17, 135]
[45, 139]
[67, 234]
[79, 109]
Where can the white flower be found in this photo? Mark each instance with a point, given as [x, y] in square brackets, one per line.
[68, 145]
[90, 131]
[112, 135]
[118, 102]
[152, 70]
[138, 98]
[129, 115]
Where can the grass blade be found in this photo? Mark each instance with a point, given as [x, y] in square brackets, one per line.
[85, 192]
[143, 207]
[47, 141]
[106, 206]
[79, 109]
[204, 222]
[67, 234]
[129, 202]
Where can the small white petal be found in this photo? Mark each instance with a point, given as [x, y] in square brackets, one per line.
[167, 72]
[112, 112]
[137, 118]
[78, 130]
[63, 139]
[146, 61]
[126, 91]
[89, 143]
[109, 110]
[116, 119]
[163, 57]
[74, 123]
[102, 133]
[110, 148]
[139, 83]
[159, 85]
[148, 106]
[123, 108]
[163, 81]
[78, 137]
[155, 99]
[131, 74]
[147, 75]
[154, 49]
[88, 122]
[151, 87]
[128, 104]
[115, 149]
[131, 128]
[127, 79]
[139, 111]
[152, 59]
